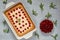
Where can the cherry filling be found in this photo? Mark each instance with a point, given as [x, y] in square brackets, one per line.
[21, 9]
[16, 21]
[13, 15]
[27, 27]
[22, 17]
[13, 23]
[13, 9]
[23, 30]
[19, 15]
[22, 21]
[25, 23]
[16, 17]
[8, 13]
[20, 27]
[46, 26]
[16, 26]
[19, 30]
[29, 22]
[27, 19]
[16, 8]
[19, 23]
[10, 16]
[18, 11]
[22, 12]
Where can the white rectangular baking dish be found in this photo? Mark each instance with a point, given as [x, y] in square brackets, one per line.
[26, 36]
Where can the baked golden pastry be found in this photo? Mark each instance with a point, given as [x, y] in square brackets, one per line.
[19, 19]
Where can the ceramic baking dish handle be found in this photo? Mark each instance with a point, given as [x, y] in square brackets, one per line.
[9, 4]
[30, 34]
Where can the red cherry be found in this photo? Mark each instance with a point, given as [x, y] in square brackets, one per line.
[20, 27]
[10, 16]
[13, 23]
[19, 23]
[18, 11]
[13, 9]
[22, 21]
[16, 21]
[8, 13]
[23, 30]
[16, 17]
[19, 30]
[22, 12]
[19, 15]
[22, 17]
[27, 27]
[21, 9]
[13, 15]
[25, 23]
[15, 26]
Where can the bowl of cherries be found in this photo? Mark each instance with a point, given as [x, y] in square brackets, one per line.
[47, 25]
